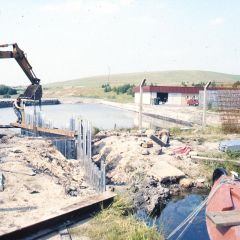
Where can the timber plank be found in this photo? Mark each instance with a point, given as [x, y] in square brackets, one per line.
[225, 218]
[65, 217]
[56, 131]
[200, 159]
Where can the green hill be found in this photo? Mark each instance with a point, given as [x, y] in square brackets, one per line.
[91, 87]
[158, 78]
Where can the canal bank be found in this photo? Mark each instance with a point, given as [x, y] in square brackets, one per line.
[182, 115]
[5, 103]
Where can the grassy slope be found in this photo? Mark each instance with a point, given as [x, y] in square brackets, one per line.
[91, 86]
[160, 78]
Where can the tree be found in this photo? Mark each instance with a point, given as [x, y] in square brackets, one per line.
[7, 90]
[201, 84]
[184, 84]
[236, 84]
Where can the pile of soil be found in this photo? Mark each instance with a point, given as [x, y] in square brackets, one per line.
[38, 181]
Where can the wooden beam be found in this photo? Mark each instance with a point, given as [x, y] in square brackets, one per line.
[225, 218]
[65, 217]
[7, 126]
[201, 159]
[56, 131]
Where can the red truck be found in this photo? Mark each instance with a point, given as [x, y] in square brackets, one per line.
[193, 102]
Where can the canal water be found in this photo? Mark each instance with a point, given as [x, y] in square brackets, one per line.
[175, 213]
[101, 116]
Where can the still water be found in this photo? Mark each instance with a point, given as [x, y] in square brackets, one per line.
[101, 116]
[175, 212]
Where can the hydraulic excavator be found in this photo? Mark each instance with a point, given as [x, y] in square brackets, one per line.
[33, 91]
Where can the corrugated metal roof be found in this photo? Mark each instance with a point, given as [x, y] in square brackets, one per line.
[178, 89]
[169, 89]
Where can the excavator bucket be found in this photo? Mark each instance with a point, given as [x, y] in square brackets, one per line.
[33, 92]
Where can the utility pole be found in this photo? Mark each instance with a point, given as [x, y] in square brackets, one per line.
[140, 103]
[205, 104]
[109, 70]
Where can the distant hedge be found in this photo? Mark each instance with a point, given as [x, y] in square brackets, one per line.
[6, 90]
[126, 88]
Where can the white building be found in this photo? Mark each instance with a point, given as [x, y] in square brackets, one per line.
[167, 94]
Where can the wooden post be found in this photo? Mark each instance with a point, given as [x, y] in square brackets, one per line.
[140, 103]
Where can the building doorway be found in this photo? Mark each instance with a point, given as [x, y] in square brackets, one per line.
[163, 97]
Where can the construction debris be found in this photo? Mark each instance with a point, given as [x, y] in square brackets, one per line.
[148, 144]
[182, 150]
[186, 182]
[158, 141]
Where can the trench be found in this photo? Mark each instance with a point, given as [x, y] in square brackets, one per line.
[175, 211]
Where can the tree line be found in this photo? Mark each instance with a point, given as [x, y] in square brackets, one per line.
[125, 88]
[6, 90]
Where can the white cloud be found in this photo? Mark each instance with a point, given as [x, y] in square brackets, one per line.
[216, 21]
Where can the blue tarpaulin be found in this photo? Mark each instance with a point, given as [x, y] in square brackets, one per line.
[230, 145]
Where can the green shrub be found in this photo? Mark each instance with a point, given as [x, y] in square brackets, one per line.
[233, 154]
[7, 90]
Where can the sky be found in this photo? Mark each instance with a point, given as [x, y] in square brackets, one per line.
[70, 39]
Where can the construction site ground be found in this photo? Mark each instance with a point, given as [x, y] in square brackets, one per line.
[38, 181]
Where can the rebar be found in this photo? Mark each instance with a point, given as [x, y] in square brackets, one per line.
[79, 148]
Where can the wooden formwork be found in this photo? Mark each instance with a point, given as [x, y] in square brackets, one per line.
[55, 131]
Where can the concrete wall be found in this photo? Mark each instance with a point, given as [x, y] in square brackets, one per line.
[173, 98]
[9, 102]
[147, 97]
[180, 98]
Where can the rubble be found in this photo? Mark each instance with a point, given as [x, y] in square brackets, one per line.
[149, 194]
[186, 182]
[145, 152]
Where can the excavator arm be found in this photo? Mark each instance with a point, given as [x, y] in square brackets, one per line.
[34, 91]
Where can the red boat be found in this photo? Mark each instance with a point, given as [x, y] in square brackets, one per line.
[223, 207]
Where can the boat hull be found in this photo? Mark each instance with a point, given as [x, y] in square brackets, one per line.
[224, 197]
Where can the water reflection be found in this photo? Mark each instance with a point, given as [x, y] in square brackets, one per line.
[101, 116]
[175, 212]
